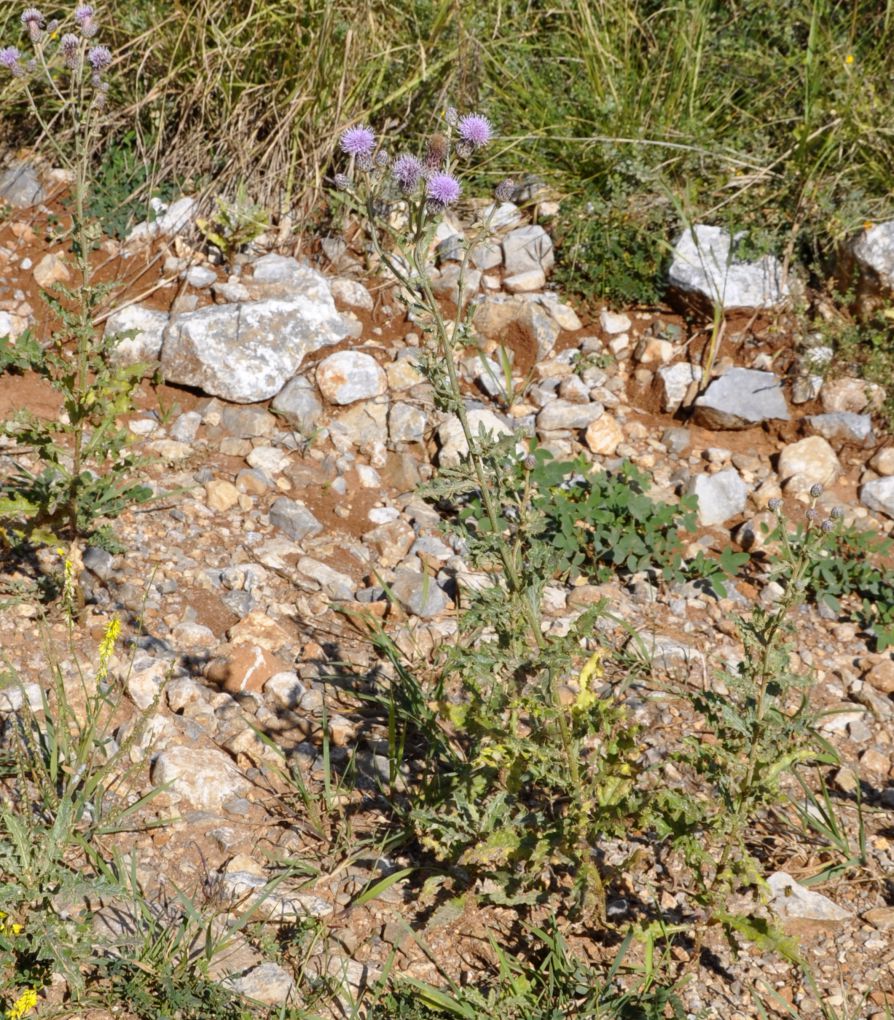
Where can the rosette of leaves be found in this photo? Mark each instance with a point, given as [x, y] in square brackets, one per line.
[235, 224]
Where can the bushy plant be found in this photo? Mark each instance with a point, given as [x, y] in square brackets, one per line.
[763, 729]
[86, 470]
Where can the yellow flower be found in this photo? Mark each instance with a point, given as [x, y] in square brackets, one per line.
[868, 225]
[849, 59]
[107, 646]
[23, 1005]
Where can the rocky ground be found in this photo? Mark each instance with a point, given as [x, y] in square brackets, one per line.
[285, 449]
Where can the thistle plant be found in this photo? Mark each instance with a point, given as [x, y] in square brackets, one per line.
[763, 729]
[536, 759]
[84, 459]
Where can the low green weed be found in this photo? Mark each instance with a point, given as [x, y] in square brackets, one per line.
[122, 185]
[235, 224]
[845, 574]
[63, 792]
[544, 983]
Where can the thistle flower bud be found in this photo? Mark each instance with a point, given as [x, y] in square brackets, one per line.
[342, 182]
[827, 526]
[816, 490]
[365, 163]
[812, 514]
[99, 58]
[69, 46]
[451, 116]
[436, 152]
[775, 504]
[9, 58]
[33, 20]
[836, 513]
[530, 462]
[52, 25]
[382, 158]
[504, 191]
[86, 22]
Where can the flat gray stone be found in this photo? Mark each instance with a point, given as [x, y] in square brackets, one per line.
[205, 777]
[406, 423]
[200, 277]
[148, 325]
[20, 186]
[267, 983]
[299, 404]
[527, 248]
[563, 414]
[332, 582]
[741, 398]
[540, 326]
[351, 293]
[453, 442]
[247, 422]
[874, 250]
[285, 690]
[247, 352]
[419, 594]
[720, 496]
[792, 900]
[294, 519]
[674, 381]
[844, 425]
[348, 376]
[878, 495]
[705, 264]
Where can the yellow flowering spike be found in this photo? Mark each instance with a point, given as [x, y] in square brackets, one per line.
[586, 697]
[23, 1005]
[107, 646]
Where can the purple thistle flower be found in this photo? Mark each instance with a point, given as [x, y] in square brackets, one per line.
[441, 190]
[9, 58]
[407, 171]
[69, 45]
[86, 22]
[475, 130]
[99, 57]
[358, 141]
[33, 20]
